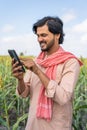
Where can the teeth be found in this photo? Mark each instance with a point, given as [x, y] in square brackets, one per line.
[42, 44]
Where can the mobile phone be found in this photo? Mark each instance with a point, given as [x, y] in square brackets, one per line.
[14, 55]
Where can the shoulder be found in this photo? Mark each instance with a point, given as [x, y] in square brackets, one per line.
[72, 61]
[72, 64]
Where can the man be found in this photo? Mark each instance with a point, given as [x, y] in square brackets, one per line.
[50, 79]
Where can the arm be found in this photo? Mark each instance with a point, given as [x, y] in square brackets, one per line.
[62, 92]
[23, 88]
[30, 65]
[23, 83]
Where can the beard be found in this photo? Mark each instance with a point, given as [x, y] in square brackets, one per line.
[48, 45]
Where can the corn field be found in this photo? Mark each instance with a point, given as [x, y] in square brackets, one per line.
[14, 110]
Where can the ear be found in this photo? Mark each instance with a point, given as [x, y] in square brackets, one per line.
[58, 36]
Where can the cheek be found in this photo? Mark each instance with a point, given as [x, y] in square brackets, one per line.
[39, 39]
[47, 39]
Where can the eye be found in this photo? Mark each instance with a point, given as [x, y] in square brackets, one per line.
[44, 35]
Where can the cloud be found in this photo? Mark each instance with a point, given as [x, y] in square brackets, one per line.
[84, 38]
[74, 42]
[80, 31]
[81, 27]
[7, 39]
[16, 39]
[76, 39]
[7, 28]
[25, 43]
[68, 16]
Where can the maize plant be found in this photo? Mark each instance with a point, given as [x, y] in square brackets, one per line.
[13, 109]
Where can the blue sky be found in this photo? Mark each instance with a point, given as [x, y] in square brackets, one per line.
[18, 16]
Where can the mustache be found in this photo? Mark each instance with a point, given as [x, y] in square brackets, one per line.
[42, 42]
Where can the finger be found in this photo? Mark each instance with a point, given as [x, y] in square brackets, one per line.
[13, 61]
[18, 75]
[23, 59]
[16, 68]
[15, 64]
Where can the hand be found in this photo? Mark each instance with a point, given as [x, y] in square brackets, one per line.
[29, 64]
[16, 70]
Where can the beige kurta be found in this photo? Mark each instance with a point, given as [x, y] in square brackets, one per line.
[60, 90]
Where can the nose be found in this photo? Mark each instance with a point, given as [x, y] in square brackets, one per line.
[40, 39]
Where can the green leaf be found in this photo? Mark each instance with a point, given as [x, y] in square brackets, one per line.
[15, 126]
[80, 107]
[3, 122]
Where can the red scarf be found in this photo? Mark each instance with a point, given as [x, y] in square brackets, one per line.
[44, 109]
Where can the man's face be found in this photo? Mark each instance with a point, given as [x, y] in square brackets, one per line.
[46, 39]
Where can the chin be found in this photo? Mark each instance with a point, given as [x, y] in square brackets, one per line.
[43, 50]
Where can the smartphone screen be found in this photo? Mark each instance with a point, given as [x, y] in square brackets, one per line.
[14, 55]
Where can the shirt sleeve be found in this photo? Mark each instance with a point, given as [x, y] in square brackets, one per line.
[62, 92]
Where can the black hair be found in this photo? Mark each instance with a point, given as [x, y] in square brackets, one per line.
[55, 26]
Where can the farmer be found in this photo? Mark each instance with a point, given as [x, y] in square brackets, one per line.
[49, 80]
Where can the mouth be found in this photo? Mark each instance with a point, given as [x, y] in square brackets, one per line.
[42, 44]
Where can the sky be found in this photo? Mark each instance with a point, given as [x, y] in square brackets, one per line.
[18, 16]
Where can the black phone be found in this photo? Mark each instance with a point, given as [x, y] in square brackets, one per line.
[14, 55]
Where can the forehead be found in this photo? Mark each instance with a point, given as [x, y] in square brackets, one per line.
[42, 29]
